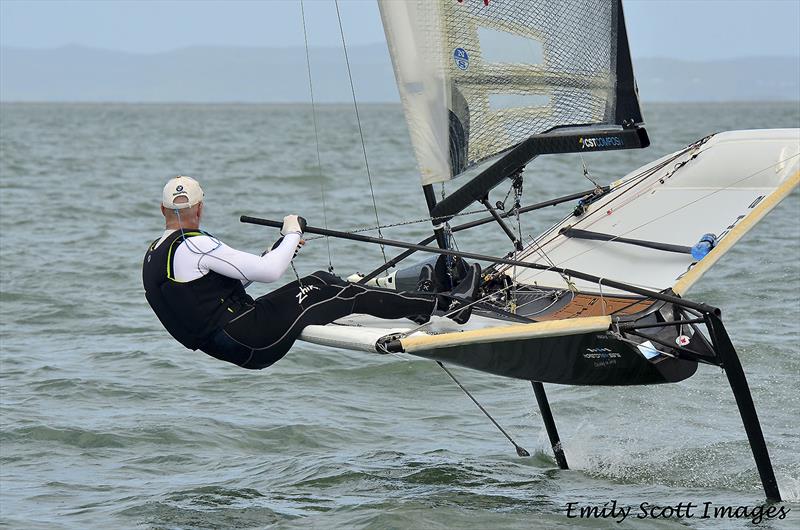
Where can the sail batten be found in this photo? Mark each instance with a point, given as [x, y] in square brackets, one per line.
[476, 79]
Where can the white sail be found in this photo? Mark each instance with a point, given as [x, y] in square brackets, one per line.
[477, 78]
[421, 80]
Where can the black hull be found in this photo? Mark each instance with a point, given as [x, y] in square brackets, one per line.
[587, 359]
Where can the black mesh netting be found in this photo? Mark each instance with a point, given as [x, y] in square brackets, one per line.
[570, 78]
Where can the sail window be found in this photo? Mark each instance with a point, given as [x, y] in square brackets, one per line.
[503, 47]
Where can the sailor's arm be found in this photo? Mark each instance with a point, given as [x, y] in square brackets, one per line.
[265, 268]
[250, 267]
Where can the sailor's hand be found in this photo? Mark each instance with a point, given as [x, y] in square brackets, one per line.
[293, 224]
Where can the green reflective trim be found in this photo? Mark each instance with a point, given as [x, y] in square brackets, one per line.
[171, 246]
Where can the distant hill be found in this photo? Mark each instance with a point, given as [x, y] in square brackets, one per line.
[231, 74]
[745, 79]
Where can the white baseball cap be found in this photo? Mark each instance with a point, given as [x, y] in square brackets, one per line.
[182, 186]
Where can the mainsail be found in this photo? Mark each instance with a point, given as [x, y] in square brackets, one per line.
[478, 78]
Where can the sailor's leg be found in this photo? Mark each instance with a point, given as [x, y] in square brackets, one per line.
[383, 303]
[278, 318]
[328, 298]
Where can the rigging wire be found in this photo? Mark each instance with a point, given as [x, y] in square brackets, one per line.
[556, 297]
[639, 178]
[631, 184]
[486, 298]
[517, 187]
[520, 450]
[316, 137]
[635, 180]
[360, 129]
[671, 212]
[539, 250]
[401, 223]
[586, 172]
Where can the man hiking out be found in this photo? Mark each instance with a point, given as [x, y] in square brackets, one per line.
[196, 286]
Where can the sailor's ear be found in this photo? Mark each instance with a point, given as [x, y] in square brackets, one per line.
[163, 211]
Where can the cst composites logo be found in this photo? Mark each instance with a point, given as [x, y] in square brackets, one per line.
[600, 142]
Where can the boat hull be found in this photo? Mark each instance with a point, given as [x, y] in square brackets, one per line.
[585, 359]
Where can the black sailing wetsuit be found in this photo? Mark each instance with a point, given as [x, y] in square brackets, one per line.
[212, 312]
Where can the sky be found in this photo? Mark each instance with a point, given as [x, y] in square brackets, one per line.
[680, 29]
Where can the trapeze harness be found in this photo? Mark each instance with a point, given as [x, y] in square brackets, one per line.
[195, 285]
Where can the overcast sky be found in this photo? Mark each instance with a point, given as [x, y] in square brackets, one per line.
[682, 29]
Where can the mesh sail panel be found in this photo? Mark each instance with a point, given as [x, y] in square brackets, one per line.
[477, 79]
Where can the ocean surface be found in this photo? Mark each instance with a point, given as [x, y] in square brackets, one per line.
[109, 423]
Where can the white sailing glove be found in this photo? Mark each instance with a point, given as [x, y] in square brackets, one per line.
[293, 224]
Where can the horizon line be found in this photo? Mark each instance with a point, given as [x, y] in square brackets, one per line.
[367, 45]
[334, 103]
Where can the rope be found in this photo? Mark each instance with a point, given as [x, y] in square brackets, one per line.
[647, 173]
[556, 295]
[517, 188]
[401, 223]
[586, 172]
[485, 298]
[360, 130]
[634, 180]
[631, 183]
[520, 450]
[671, 212]
[316, 136]
[538, 248]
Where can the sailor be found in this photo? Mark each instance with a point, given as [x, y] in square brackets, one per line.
[195, 284]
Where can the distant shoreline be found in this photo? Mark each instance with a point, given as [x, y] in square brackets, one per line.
[347, 103]
[234, 75]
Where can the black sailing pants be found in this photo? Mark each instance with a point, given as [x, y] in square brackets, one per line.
[265, 332]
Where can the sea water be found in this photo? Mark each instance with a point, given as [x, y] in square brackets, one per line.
[107, 422]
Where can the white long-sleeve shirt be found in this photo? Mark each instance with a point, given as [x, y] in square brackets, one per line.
[198, 255]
